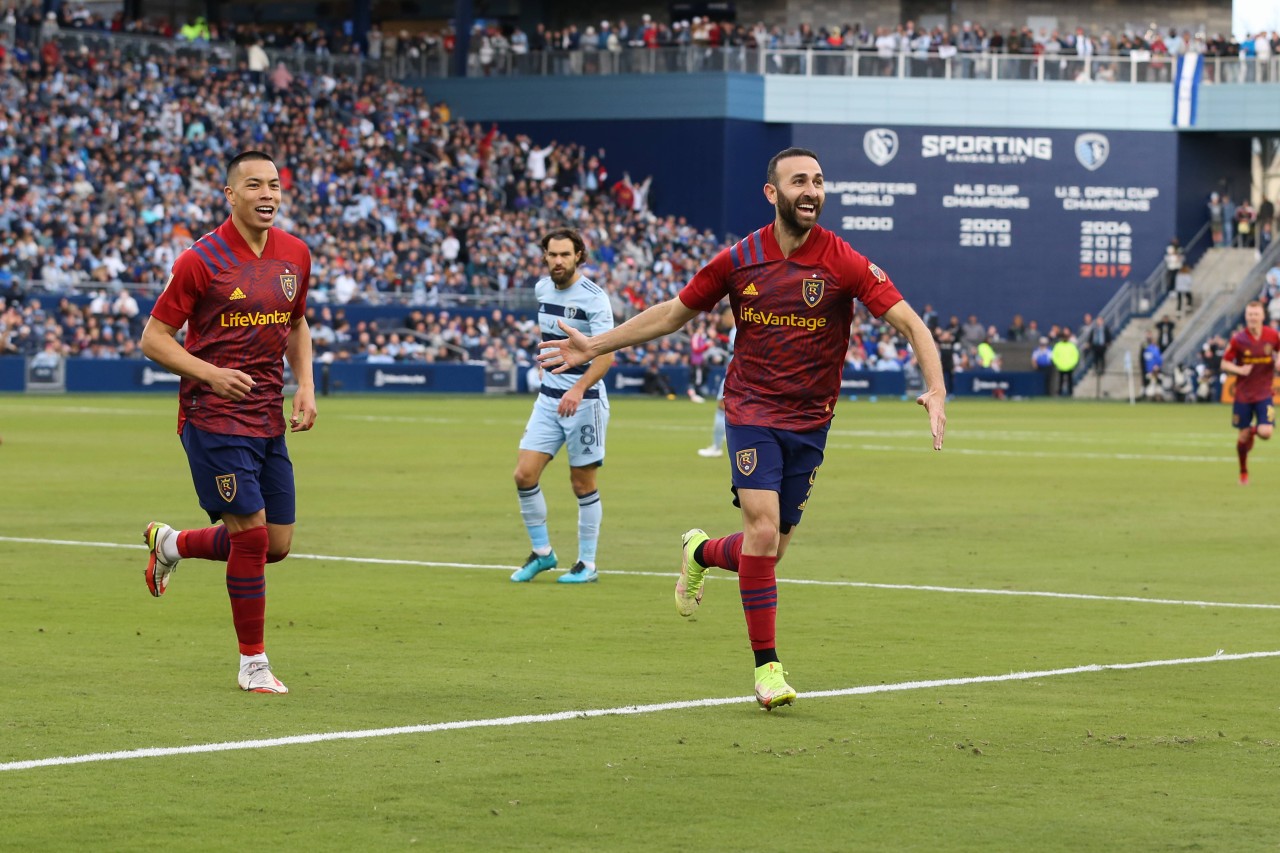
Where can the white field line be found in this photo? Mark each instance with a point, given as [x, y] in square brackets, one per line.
[383, 561]
[625, 710]
[924, 447]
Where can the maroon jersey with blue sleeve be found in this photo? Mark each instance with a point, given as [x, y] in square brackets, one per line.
[239, 309]
[1260, 352]
[793, 316]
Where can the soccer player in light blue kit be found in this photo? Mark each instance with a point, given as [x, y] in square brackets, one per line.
[718, 426]
[572, 410]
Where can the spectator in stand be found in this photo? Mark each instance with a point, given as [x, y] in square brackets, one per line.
[1244, 225]
[1042, 361]
[1173, 260]
[1228, 221]
[1098, 337]
[1183, 285]
[1216, 219]
[1266, 220]
[1152, 356]
[1164, 332]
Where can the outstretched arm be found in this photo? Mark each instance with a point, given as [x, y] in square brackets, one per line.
[653, 322]
[903, 318]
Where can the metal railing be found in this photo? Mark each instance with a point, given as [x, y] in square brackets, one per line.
[433, 61]
[1139, 298]
[511, 299]
[1134, 67]
[1211, 321]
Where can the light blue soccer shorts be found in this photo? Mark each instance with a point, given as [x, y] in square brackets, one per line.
[583, 433]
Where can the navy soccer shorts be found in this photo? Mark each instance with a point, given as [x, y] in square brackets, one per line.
[776, 460]
[240, 474]
[1242, 414]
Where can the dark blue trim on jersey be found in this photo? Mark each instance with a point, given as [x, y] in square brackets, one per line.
[554, 310]
[557, 393]
[214, 269]
[210, 249]
[552, 336]
[224, 249]
[748, 250]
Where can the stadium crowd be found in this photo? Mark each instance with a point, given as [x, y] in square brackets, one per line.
[493, 45]
[111, 164]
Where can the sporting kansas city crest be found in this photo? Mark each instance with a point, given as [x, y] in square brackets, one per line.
[226, 486]
[289, 284]
[812, 291]
[880, 144]
[746, 461]
[1092, 150]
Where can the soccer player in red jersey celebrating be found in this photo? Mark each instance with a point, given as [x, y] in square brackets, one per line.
[1251, 356]
[792, 286]
[241, 292]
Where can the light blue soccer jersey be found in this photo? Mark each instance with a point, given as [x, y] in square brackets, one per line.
[583, 305]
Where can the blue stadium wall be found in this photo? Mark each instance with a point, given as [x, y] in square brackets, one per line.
[976, 196]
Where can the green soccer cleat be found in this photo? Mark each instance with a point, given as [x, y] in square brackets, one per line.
[579, 574]
[689, 586]
[772, 689]
[534, 566]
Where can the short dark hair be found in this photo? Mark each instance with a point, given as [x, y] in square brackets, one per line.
[245, 157]
[771, 176]
[579, 247]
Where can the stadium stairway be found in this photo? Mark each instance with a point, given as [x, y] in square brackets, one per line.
[1215, 279]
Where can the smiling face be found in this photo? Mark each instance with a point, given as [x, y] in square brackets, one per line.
[253, 191]
[797, 193]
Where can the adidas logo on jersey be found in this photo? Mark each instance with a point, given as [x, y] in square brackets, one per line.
[750, 290]
[238, 294]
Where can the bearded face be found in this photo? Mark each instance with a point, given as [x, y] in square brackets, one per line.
[800, 193]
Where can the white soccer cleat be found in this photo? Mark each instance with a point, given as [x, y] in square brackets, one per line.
[158, 569]
[710, 452]
[257, 678]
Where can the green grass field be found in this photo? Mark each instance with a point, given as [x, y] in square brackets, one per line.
[1046, 538]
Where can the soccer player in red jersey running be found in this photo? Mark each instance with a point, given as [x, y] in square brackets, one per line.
[241, 292]
[1251, 356]
[792, 286]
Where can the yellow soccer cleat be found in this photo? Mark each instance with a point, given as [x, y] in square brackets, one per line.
[772, 689]
[689, 586]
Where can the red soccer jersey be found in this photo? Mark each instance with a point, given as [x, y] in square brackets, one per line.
[239, 309]
[793, 317]
[1260, 352]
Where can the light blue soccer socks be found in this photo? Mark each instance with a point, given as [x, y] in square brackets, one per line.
[533, 510]
[590, 512]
